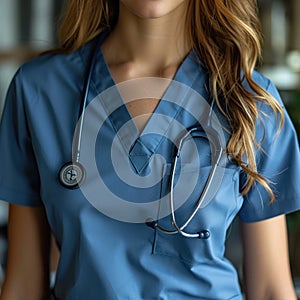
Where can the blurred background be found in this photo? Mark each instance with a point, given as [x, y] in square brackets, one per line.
[28, 27]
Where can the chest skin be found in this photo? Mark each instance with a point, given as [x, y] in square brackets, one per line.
[141, 110]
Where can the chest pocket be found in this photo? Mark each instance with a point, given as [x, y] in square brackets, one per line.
[212, 220]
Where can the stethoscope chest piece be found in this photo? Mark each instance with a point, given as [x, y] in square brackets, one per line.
[71, 175]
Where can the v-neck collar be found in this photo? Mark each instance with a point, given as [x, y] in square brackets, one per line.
[140, 146]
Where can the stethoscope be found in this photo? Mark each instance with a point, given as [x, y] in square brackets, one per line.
[212, 181]
[72, 174]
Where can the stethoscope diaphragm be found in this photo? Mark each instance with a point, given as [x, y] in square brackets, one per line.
[71, 175]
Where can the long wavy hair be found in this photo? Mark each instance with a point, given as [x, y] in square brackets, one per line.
[226, 36]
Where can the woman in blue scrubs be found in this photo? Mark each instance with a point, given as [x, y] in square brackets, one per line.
[157, 65]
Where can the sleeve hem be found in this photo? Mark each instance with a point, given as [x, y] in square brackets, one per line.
[19, 197]
[285, 211]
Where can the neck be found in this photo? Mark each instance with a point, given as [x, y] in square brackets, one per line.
[155, 44]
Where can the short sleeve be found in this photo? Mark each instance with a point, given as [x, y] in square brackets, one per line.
[19, 176]
[278, 160]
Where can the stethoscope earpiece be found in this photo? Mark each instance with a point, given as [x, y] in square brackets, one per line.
[151, 223]
[71, 175]
[204, 235]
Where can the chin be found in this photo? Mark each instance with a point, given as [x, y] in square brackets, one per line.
[151, 9]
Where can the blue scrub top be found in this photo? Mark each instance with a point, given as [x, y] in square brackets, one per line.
[107, 257]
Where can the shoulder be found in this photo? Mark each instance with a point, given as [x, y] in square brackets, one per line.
[50, 68]
[47, 63]
[265, 83]
[49, 79]
[261, 79]
[268, 120]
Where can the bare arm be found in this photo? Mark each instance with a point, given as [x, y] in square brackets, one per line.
[266, 261]
[27, 275]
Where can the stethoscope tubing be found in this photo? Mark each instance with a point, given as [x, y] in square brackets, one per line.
[88, 76]
[202, 198]
[72, 174]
